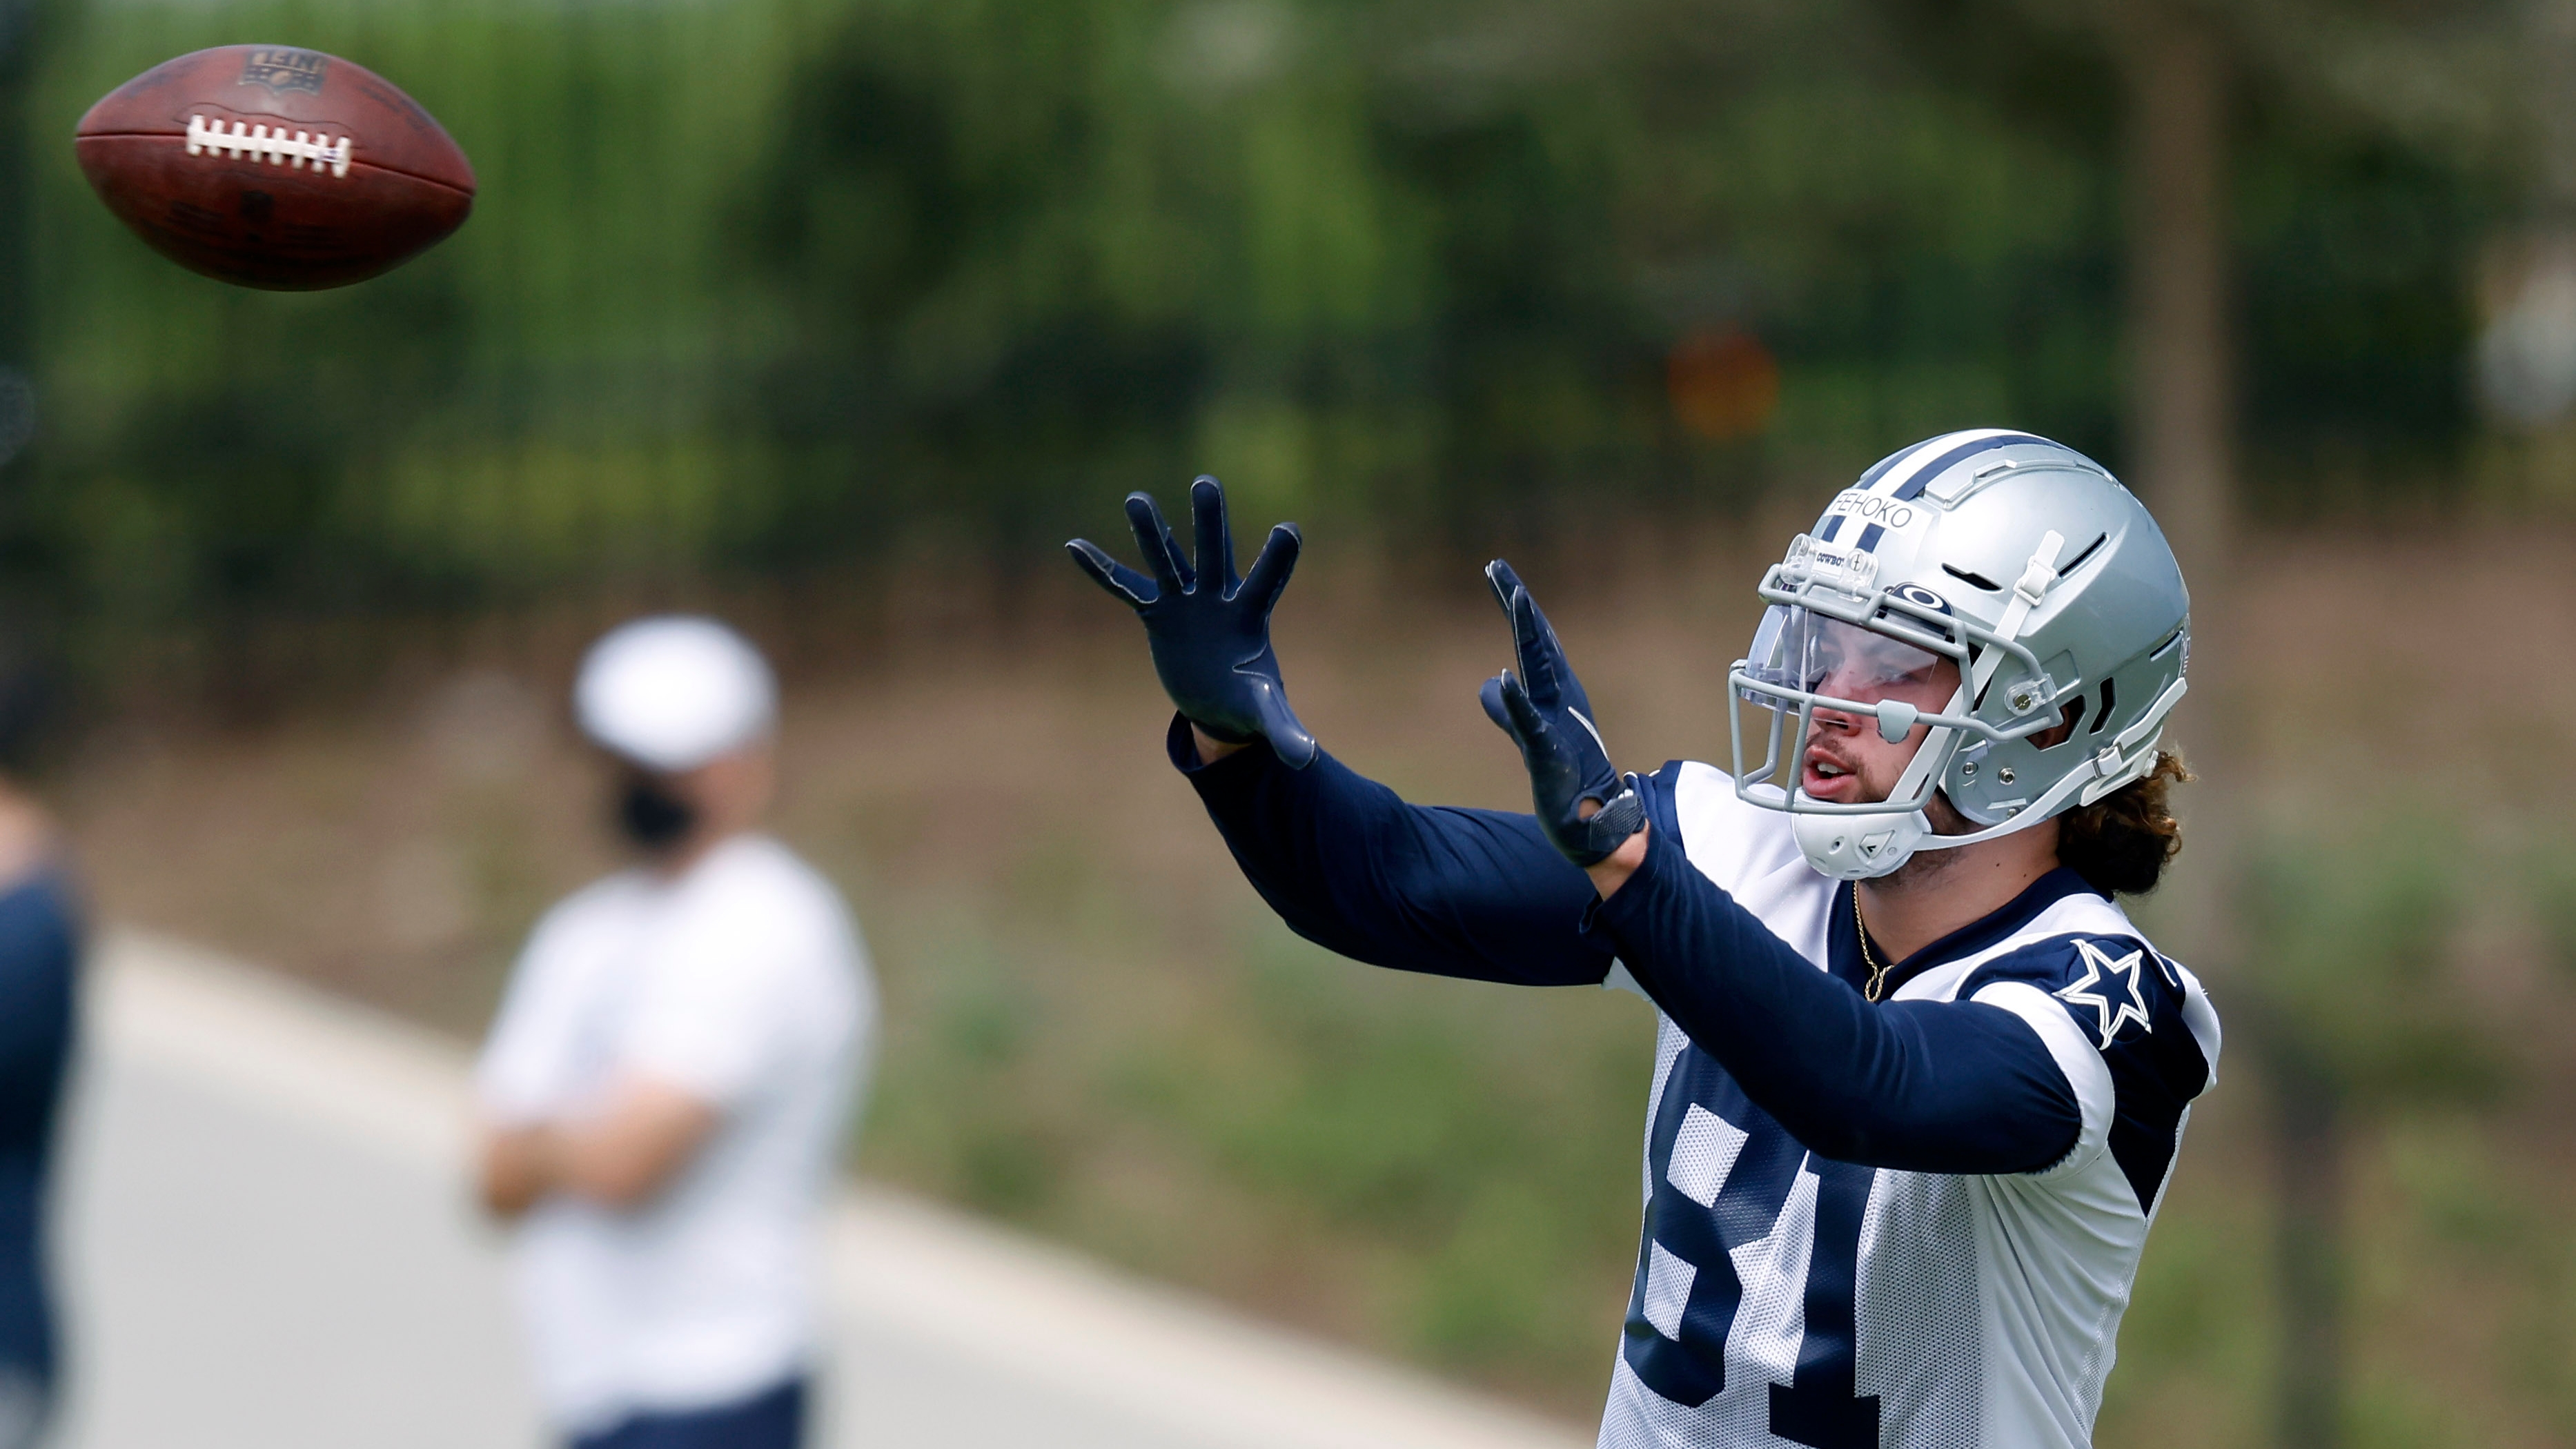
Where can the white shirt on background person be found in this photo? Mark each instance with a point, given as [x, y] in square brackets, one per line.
[743, 982]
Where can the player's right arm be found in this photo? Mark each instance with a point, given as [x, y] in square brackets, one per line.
[1353, 868]
[1348, 865]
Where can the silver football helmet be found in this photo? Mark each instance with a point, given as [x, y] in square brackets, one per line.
[2027, 566]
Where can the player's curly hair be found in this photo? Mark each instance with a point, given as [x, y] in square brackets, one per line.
[2121, 843]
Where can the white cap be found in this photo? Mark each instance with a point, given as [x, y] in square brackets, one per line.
[674, 692]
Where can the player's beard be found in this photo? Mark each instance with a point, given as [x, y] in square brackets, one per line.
[1925, 868]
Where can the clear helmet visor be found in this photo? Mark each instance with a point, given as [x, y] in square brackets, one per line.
[1800, 652]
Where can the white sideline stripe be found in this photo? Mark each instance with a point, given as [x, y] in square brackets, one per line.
[1039, 1312]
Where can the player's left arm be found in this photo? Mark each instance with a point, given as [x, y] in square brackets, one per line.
[1960, 1087]
[1931, 1087]
[620, 1156]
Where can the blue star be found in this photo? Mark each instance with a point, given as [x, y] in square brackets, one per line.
[2098, 969]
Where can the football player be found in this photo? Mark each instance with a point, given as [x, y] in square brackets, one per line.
[1919, 1082]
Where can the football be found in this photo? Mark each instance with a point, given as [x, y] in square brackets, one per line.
[269, 166]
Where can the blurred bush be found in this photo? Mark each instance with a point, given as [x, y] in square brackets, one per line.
[2346, 995]
[794, 287]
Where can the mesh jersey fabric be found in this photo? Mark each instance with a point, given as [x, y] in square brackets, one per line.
[1785, 1299]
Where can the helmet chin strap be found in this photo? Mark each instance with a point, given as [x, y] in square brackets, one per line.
[1859, 847]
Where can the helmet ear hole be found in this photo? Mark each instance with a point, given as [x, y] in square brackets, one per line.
[2064, 730]
[2109, 694]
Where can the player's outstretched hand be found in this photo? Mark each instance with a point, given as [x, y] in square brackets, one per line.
[1210, 631]
[1546, 713]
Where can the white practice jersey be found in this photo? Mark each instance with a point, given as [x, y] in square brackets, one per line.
[1785, 1299]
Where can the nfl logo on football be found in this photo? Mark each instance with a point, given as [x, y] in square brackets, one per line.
[284, 70]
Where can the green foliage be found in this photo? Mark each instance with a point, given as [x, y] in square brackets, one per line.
[2197, 1339]
[538, 399]
[767, 284]
[1440, 1169]
[1485, 1137]
[2359, 315]
[1298, 245]
[2346, 966]
[2549, 885]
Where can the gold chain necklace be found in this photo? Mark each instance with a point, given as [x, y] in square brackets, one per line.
[1877, 972]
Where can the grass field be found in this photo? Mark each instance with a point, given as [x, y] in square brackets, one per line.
[1095, 1029]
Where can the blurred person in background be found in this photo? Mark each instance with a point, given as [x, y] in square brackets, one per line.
[667, 1084]
[40, 954]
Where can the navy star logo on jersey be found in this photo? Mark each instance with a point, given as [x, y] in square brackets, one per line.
[2111, 988]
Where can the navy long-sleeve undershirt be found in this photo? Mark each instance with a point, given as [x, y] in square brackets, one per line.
[1351, 867]
[1956, 1087]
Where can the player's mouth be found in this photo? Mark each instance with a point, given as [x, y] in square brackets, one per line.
[1830, 779]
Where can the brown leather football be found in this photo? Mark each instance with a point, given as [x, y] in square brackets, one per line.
[274, 167]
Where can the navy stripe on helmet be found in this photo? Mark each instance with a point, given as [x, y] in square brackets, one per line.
[1833, 526]
[1915, 482]
[1879, 469]
[1869, 538]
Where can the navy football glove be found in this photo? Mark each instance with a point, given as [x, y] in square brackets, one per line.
[1550, 718]
[1210, 631]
